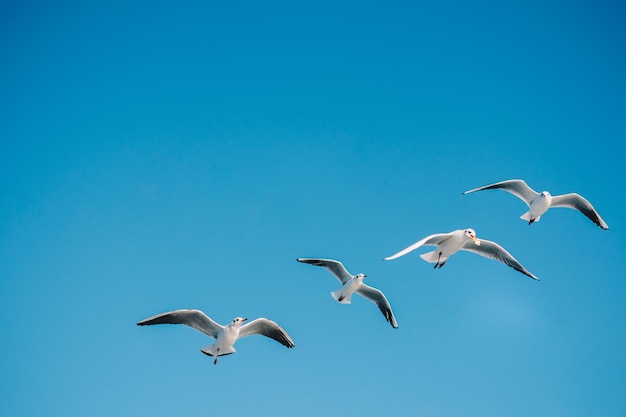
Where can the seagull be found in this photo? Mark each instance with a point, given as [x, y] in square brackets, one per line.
[225, 336]
[539, 203]
[351, 284]
[450, 243]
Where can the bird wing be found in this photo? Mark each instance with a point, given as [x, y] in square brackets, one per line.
[518, 188]
[380, 300]
[267, 328]
[431, 240]
[578, 202]
[492, 250]
[333, 266]
[192, 318]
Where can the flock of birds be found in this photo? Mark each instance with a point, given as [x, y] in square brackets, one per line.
[446, 245]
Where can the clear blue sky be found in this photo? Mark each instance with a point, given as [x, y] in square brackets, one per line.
[160, 155]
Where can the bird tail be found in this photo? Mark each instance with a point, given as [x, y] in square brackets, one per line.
[526, 216]
[340, 298]
[430, 256]
[210, 351]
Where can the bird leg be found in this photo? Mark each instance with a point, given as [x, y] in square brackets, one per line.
[217, 355]
[438, 259]
[443, 263]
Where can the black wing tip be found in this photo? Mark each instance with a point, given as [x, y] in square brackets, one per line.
[286, 341]
[528, 274]
[307, 260]
[388, 316]
[312, 261]
[392, 322]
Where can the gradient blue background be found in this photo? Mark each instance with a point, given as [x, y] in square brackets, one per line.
[160, 155]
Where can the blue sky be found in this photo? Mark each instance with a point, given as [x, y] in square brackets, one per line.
[157, 156]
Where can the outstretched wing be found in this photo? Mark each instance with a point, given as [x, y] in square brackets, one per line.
[381, 301]
[192, 318]
[432, 240]
[518, 188]
[578, 202]
[267, 328]
[492, 250]
[335, 267]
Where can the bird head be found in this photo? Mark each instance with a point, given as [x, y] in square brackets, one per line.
[471, 234]
[545, 194]
[238, 321]
[360, 277]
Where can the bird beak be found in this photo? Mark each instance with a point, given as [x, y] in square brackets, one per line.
[244, 319]
[364, 276]
[476, 241]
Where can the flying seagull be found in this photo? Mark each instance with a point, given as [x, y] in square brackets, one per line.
[539, 203]
[351, 284]
[450, 243]
[225, 336]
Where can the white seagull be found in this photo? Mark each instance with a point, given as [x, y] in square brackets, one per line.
[351, 284]
[225, 336]
[539, 203]
[450, 243]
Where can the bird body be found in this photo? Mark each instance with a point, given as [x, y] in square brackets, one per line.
[539, 203]
[344, 294]
[537, 207]
[351, 284]
[225, 340]
[447, 244]
[225, 336]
